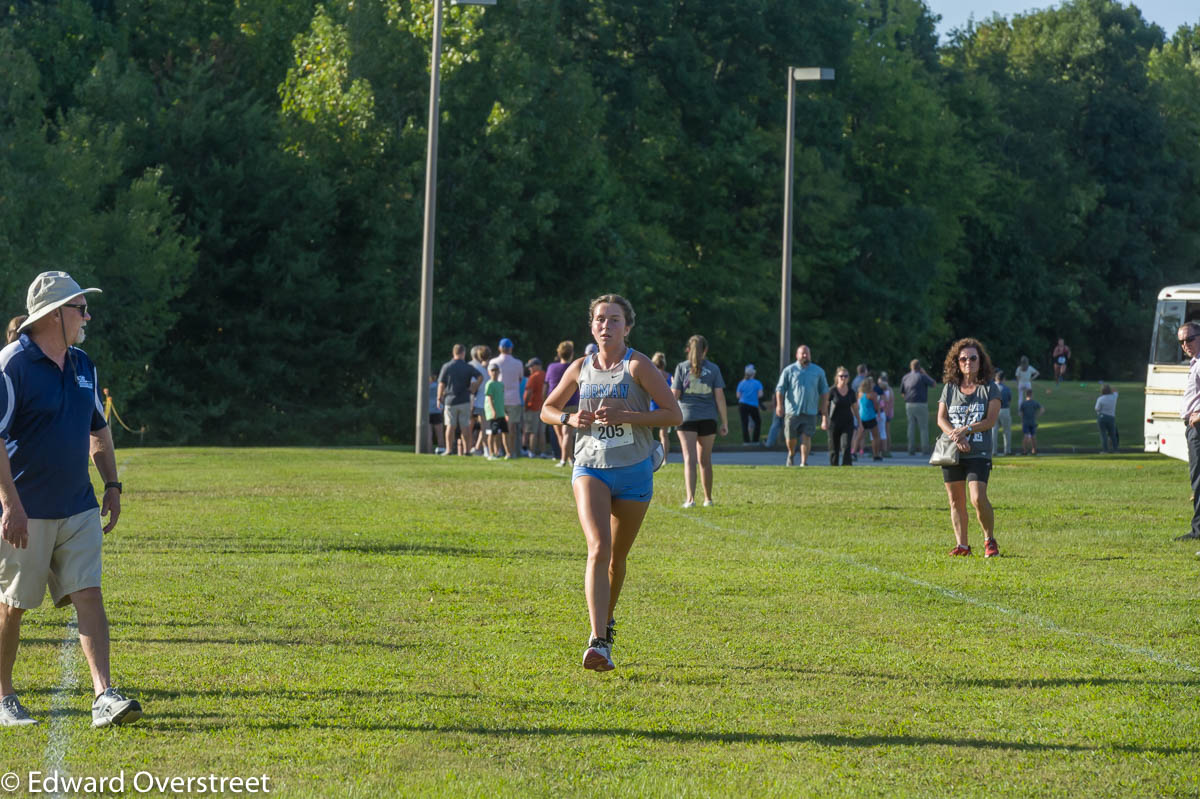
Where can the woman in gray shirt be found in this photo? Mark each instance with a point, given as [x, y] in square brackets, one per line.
[701, 392]
[967, 412]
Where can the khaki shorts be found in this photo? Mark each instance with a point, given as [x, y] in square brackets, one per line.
[533, 422]
[514, 413]
[62, 553]
[458, 416]
[800, 424]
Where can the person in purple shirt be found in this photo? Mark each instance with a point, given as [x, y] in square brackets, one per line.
[554, 375]
[1188, 335]
[51, 419]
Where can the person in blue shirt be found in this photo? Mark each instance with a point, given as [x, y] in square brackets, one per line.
[801, 395]
[750, 392]
[51, 418]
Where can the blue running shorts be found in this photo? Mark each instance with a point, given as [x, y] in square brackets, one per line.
[634, 482]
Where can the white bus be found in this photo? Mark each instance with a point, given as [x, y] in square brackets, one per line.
[1166, 373]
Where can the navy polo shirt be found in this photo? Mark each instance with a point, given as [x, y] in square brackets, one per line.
[46, 417]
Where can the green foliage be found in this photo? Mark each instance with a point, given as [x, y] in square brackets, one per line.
[248, 180]
[71, 200]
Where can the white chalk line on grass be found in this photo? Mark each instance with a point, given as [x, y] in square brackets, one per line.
[60, 703]
[950, 593]
[59, 738]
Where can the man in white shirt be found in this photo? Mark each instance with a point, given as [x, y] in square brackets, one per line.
[511, 372]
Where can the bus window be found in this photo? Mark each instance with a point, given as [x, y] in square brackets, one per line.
[1171, 314]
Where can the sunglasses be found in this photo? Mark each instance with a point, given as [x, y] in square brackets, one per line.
[1189, 339]
[81, 307]
[968, 358]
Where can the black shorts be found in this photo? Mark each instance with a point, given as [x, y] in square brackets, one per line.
[973, 470]
[701, 427]
[870, 424]
[436, 418]
[498, 426]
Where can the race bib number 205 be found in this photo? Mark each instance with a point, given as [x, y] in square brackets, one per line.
[609, 436]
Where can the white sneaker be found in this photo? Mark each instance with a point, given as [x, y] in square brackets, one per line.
[708, 503]
[13, 713]
[598, 655]
[790, 460]
[691, 503]
[112, 708]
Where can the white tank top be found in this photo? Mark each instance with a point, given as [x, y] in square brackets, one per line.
[611, 446]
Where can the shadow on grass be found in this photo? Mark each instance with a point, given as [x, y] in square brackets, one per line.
[710, 736]
[310, 547]
[1066, 682]
[865, 675]
[307, 641]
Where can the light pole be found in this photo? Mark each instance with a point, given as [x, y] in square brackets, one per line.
[425, 338]
[785, 302]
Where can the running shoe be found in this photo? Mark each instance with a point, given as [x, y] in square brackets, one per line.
[708, 503]
[991, 549]
[691, 503]
[610, 632]
[13, 713]
[598, 655]
[112, 708]
[961, 551]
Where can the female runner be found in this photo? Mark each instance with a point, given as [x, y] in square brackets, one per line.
[614, 456]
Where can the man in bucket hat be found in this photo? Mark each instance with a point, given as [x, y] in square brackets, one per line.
[51, 418]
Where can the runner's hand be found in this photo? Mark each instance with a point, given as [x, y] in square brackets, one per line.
[612, 415]
[584, 418]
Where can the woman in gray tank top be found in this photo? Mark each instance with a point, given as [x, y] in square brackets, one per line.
[967, 412]
[614, 456]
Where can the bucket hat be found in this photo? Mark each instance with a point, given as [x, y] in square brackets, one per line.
[48, 292]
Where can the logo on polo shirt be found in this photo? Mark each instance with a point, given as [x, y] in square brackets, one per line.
[84, 382]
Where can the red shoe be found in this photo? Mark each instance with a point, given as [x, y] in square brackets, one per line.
[961, 551]
[990, 549]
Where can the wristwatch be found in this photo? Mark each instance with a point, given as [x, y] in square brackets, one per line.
[566, 417]
[113, 484]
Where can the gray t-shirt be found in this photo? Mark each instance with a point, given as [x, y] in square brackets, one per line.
[966, 409]
[457, 375]
[698, 392]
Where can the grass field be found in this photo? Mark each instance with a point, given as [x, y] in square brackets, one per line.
[1068, 425]
[372, 623]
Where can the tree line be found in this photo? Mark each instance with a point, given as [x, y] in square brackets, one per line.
[245, 180]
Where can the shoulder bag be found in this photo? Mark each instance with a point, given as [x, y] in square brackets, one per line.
[945, 452]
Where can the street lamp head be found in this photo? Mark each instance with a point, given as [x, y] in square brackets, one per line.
[812, 73]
